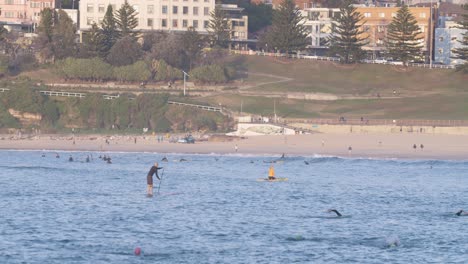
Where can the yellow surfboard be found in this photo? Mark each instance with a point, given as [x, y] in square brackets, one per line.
[275, 180]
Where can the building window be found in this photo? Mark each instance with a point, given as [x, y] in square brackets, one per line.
[195, 24]
[175, 23]
[241, 24]
[380, 29]
[206, 23]
[149, 22]
[381, 14]
[9, 14]
[150, 9]
[195, 10]
[164, 23]
[89, 21]
[184, 23]
[101, 8]
[367, 14]
[196, 1]
[441, 39]
[174, 10]
[185, 10]
[207, 1]
[206, 11]
[422, 15]
[164, 9]
[9, 2]
[441, 51]
[90, 8]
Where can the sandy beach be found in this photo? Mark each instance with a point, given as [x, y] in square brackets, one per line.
[353, 145]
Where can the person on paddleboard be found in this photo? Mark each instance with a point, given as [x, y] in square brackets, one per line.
[271, 173]
[149, 178]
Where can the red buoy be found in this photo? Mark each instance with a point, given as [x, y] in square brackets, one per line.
[137, 251]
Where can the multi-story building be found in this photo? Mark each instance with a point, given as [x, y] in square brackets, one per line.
[448, 35]
[237, 21]
[170, 15]
[377, 19]
[319, 20]
[319, 23]
[23, 14]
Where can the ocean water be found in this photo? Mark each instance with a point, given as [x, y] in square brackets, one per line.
[211, 209]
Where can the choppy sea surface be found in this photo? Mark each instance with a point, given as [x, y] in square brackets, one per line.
[211, 209]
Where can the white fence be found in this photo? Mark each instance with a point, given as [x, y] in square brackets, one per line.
[323, 58]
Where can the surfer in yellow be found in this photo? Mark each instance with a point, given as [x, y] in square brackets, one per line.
[271, 173]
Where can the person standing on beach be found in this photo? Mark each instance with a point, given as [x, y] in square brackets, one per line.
[236, 148]
[149, 178]
[271, 173]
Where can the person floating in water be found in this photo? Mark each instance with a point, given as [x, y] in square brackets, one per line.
[282, 156]
[57, 156]
[149, 178]
[109, 160]
[70, 158]
[164, 159]
[43, 155]
[271, 173]
[182, 160]
[335, 211]
[461, 213]
[87, 158]
[306, 162]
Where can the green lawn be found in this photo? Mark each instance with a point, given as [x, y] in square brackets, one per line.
[362, 79]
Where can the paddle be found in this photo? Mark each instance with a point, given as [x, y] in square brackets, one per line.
[159, 186]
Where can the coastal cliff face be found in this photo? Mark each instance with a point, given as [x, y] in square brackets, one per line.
[26, 118]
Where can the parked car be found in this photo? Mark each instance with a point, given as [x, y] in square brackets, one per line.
[380, 61]
[188, 139]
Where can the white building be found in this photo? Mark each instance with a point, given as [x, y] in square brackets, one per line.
[171, 15]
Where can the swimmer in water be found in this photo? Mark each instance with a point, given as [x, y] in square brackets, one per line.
[182, 160]
[461, 212]
[306, 163]
[164, 159]
[335, 211]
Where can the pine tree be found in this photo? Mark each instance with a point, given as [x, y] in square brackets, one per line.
[64, 36]
[346, 39]
[108, 30]
[462, 52]
[45, 33]
[127, 21]
[93, 43]
[287, 32]
[192, 44]
[404, 37]
[219, 29]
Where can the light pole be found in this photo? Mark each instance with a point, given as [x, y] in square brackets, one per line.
[430, 39]
[185, 76]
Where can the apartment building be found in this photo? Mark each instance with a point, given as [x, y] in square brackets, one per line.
[170, 15]
[377, 19]
[319, 20]
[23, 14]
[319, 23]
[238, 22]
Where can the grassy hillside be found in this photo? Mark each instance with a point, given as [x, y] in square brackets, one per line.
[420, 93]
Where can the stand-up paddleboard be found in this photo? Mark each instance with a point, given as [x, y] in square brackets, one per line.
[275, 180]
